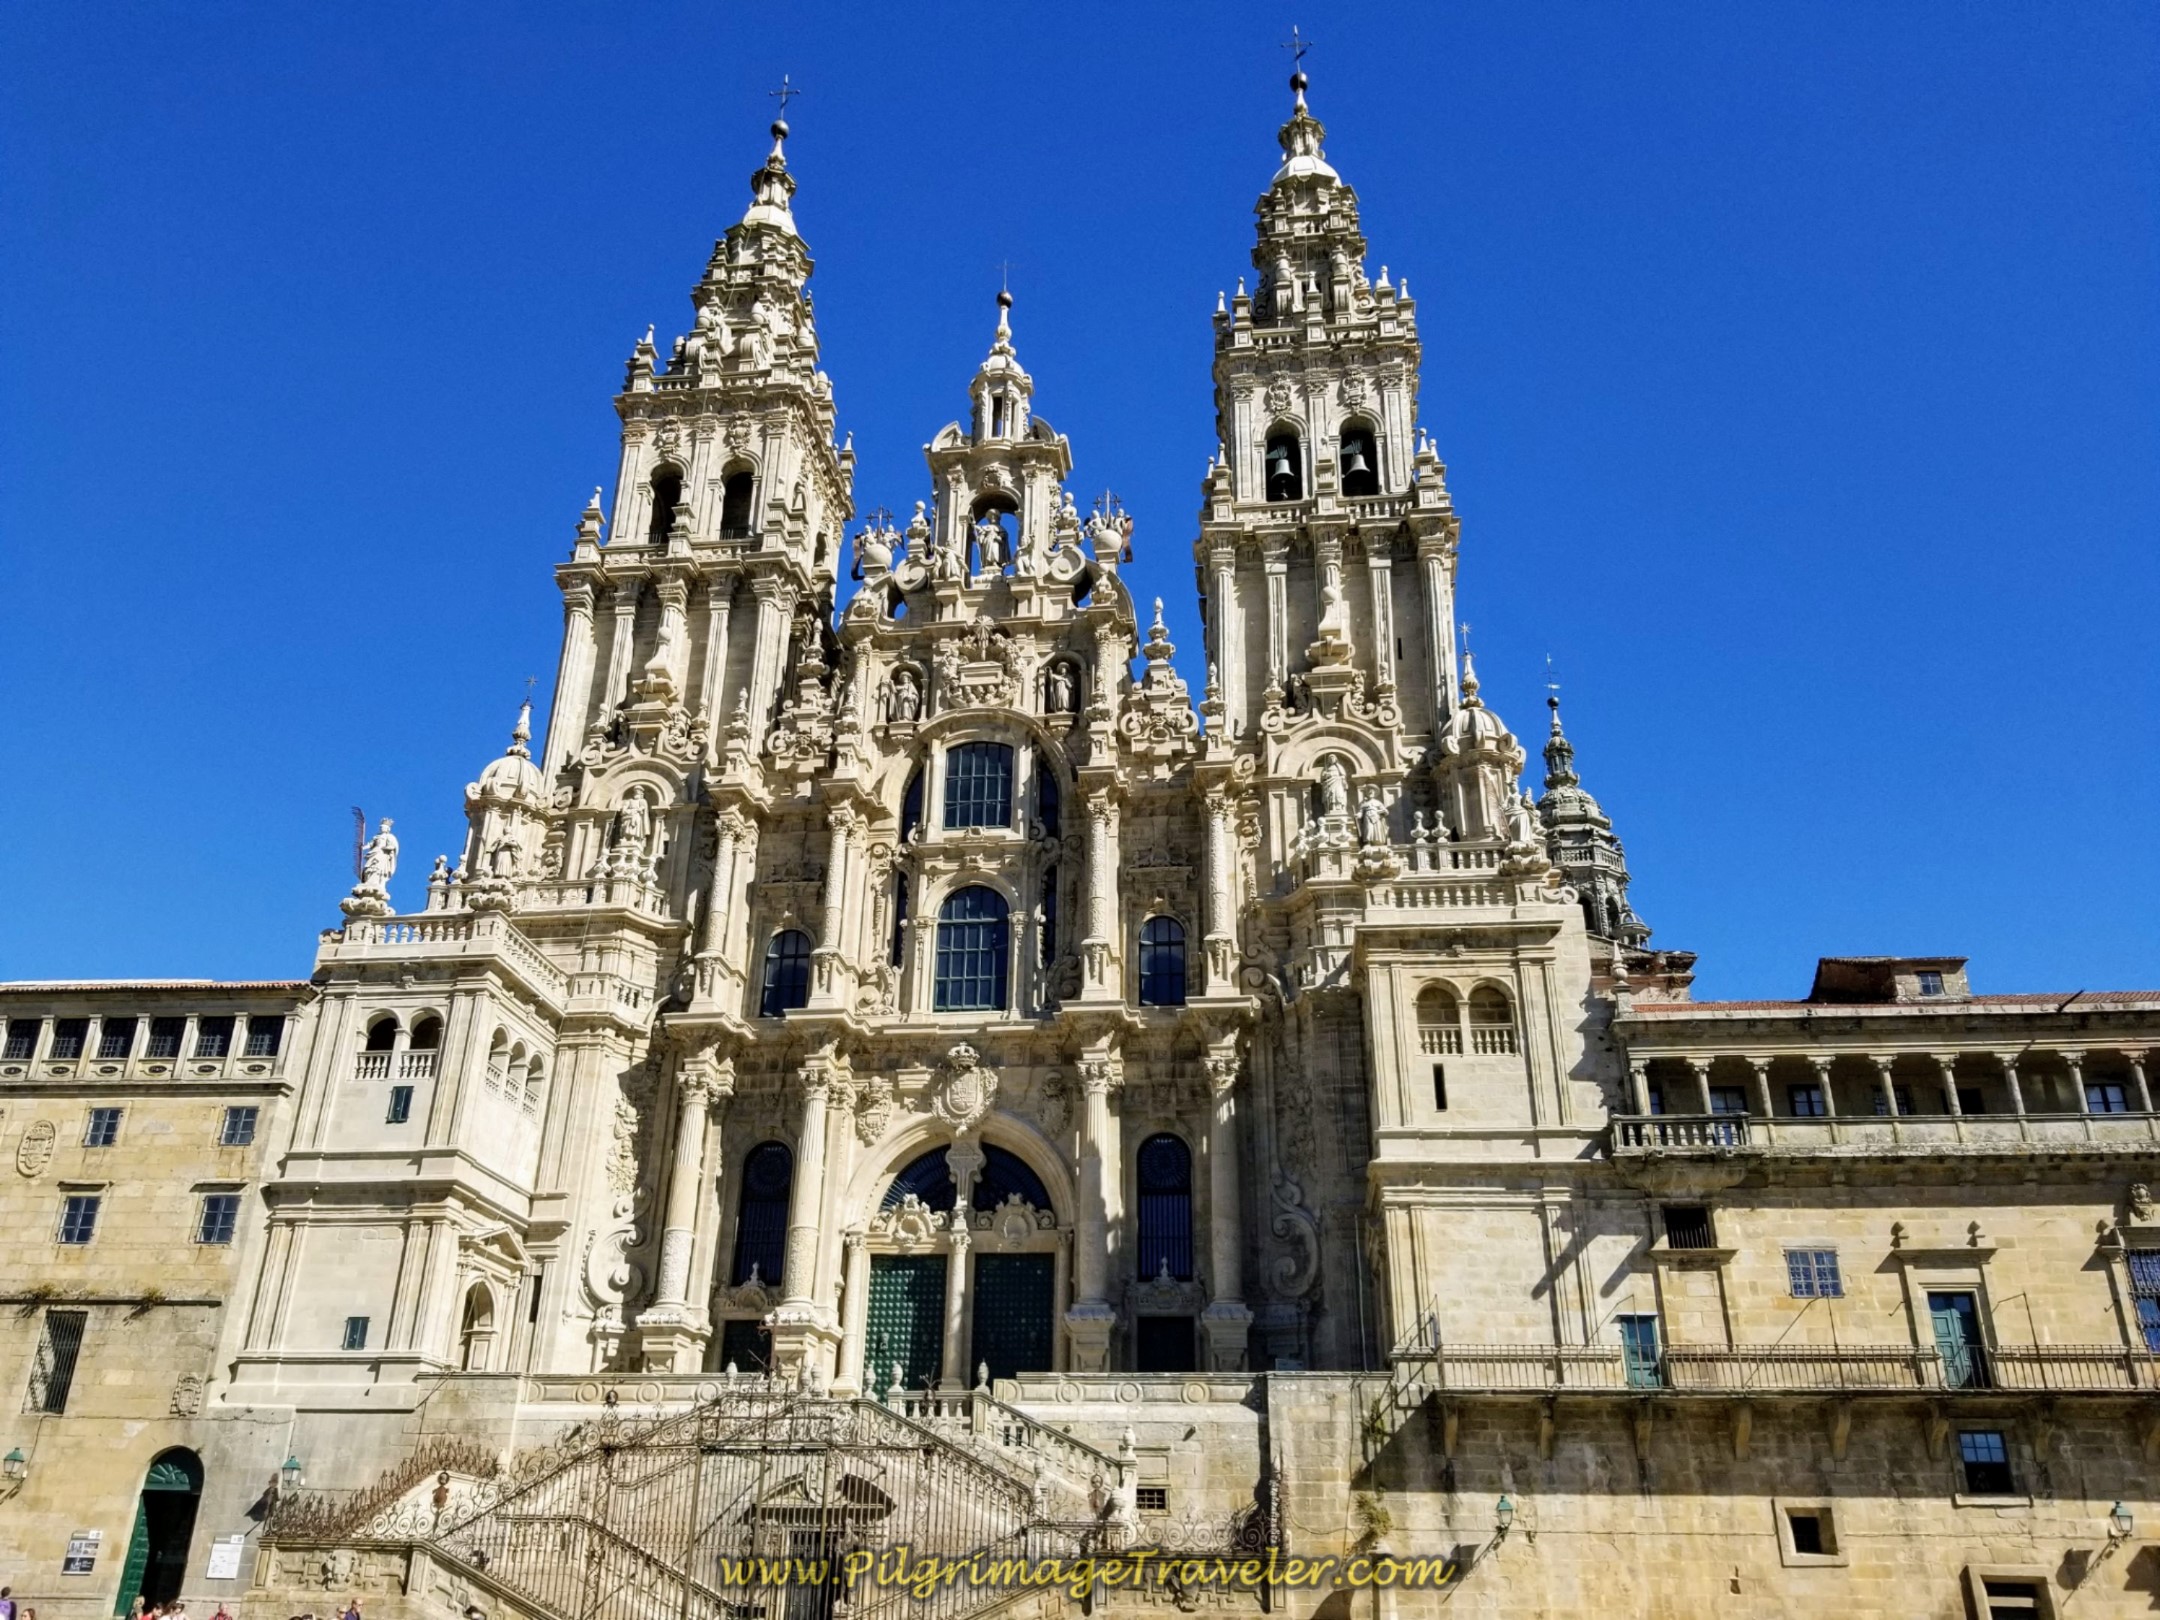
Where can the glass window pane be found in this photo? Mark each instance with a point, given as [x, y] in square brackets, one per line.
[972, 938]
[979, 785]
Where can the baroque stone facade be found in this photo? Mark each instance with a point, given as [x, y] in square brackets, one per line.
[1260, 1111]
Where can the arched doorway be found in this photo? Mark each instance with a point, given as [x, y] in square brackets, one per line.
[164, 1525]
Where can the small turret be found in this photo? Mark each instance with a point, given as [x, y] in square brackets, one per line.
[1580, 837]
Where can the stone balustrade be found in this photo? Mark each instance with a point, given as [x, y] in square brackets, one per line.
[1775, 1369]
[1639, 1135]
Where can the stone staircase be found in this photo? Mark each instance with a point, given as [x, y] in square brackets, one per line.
[747, 1507]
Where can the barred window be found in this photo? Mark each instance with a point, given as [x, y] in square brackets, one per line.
[102, 1128]
[1162, 962]
[165, 1037]
[2145, 1291]
[213, 1036]
[787, 973]
[761, 1220]
[116, 1038]
[979, 785]
[78, 1218]
[52, 1370]
[265, 1032]
[68, 1037]
[1814, 1274]
[22, 1034]
[1166, 1236]
[220, 1216]
[239, 1128]
[973, 936]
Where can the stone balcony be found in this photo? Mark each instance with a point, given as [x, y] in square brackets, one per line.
[1744, 1136]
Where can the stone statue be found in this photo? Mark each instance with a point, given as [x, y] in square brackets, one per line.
[903, 698]
[378, 860]
[873, 553]
[1372, 819]
[1524, 828]
[1334, 788]
[633, 826]
[1061, 693]
[2141, 1202]
[990, 544]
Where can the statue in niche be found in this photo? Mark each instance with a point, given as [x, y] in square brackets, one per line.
[633, 827]
[1061, 692]
[378, 859]
[1372, 818]
[903, 698]
[990, 543]
[1334, 787]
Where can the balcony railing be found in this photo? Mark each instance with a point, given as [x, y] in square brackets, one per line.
[1439, 1041]
[372, 1065]
[1903, 1134]
[416, 1065]
[1774, 1369]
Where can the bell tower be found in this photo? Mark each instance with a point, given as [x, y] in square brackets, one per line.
[1326, 556]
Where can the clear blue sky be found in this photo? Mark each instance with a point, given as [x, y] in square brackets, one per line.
[1797, 368]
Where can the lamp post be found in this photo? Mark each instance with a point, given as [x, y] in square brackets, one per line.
[2121, 1526]
[1503, 1517]
[292, 1474]
[17, 1469]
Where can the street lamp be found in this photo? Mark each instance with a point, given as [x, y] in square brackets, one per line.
[290, 1476]
[2121, 1526]
[1503, 1516]
[17, 1468]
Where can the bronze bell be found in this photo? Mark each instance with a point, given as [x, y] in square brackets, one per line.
[1354, 461]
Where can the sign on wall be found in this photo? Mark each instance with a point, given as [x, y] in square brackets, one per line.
[82, 1551]
[225, 1558]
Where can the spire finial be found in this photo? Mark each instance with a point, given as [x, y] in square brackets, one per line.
[785, 94]
[1004, 325]
[521, 733]
[1297, 45]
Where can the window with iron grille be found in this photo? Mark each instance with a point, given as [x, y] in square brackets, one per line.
[1687, 1226]
[22, 1034]
[239, 1127]
[213, 1036]
[787, 973]
[1165, 1166]
[220, 1216]
[165, 1036]
[400, 1105]
[266, 1031]
[2145, 1292]
[761, 1219]
[116, 1038]
[68, 1037]
[1152, 1498]
[1986, 1459]
[102, 1128]
[78, 1218]
[973, 939]
[1814, 1274]
[979, 785]
[52, 1369]
[1162, 962]
[355, 1333]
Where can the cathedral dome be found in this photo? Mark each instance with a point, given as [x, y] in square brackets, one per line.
[513, 775]
[1472, 725]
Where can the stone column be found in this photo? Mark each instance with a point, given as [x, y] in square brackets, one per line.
[855, 1302]
[1090, 1321]
[2010, 1079]
[1822, 1067]
[802, 1331]
[1380, 573]
[1278, 624]
[1224, 620]
[614, 692]
[1700, 1070]
[956, 1373]
[1886, 1085]
[2138, 1080]
[1221, 943]
[1226, 1320]
[672, 1331]
[1761, 1070]
[1947, 1062]
[1439, 618]
[1639, 1085]
[719, 602]
[573, 680]
[774, 602]
[830, 983]
[1096, 948]
[2076, 1063]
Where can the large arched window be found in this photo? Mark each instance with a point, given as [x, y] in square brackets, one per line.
[666, 496]
[973, 933]
[1285, 466]
[911, 807]
[761, 1221]
[1492, 1021]
[787, 973]
[382, 1034]
[979, 785]
[929, 1180]
[1049, 801]
[427, 1033]
[1162, 962]
[1439, 1021]
[735, 488]
[1165, 1208]
[1360, 461]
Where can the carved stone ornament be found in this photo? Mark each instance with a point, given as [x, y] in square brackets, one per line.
[755, 1294]
[1164, 1294]
[1353, 389]
[873, 1109]
[910, 1223]
[187, 1396]
[1278, 396]
[966, 1087]
[35, 1151]
[2140, 1201]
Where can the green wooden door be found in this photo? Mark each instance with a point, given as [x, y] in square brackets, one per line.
[1013, 1328]
[906, 1320]
[1956, 1319]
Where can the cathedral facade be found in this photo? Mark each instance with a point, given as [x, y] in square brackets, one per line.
[892, 983]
